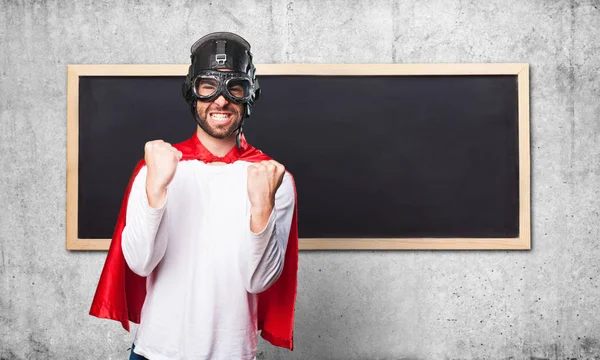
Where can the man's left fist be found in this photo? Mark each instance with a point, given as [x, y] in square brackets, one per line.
[264, 178]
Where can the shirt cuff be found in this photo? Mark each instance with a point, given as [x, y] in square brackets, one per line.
[154, 213]
[268, 227]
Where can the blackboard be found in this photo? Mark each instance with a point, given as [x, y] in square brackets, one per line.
[382, 159]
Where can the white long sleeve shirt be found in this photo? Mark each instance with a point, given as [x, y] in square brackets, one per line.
[204, 265]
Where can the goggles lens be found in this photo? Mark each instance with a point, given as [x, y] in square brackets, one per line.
[234, 86]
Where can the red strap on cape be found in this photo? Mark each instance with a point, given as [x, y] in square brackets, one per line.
[121, 293]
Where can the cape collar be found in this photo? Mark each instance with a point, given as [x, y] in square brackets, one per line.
[194, 149]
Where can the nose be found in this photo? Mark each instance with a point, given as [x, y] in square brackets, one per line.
[221, 101]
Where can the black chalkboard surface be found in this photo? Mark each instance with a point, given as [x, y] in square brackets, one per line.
[405, 159]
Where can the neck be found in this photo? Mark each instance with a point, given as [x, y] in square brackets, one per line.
[218, 147]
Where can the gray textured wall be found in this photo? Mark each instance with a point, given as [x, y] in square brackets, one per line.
[351, 305]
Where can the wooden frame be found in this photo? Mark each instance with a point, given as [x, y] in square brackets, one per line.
[523, 242]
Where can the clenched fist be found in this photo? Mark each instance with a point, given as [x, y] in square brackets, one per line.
[161, 160]
[264, 178]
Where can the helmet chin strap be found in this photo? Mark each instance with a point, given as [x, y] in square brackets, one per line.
[239, 134]
[239, 129]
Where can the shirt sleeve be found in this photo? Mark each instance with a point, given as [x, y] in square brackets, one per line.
[262, 254]
[144, 237]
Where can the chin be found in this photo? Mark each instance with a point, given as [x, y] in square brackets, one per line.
[222, 134]
[215, 131]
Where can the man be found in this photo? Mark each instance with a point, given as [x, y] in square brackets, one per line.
[205, 248]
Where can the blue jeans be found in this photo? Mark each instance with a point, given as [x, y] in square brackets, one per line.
[135, 356]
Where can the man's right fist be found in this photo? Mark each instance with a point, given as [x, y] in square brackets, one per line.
[161, 160]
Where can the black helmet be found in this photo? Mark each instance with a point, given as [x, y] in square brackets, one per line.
[210, 54]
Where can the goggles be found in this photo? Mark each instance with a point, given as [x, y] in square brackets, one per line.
[236, 87]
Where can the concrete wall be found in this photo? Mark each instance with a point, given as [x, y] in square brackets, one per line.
[541, 303]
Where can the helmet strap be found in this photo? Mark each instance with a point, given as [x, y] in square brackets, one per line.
[238, 136]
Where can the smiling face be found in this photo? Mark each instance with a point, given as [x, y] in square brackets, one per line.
[219, 118]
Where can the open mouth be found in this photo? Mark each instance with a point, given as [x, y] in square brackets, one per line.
[220, 117]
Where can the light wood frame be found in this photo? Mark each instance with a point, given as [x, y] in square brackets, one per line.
[521, 70]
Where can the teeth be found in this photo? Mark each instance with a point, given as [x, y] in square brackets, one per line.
[219, 117]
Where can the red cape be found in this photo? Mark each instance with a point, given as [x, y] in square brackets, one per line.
[121, 293]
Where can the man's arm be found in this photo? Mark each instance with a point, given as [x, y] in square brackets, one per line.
[144, 238]
[263, 251]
